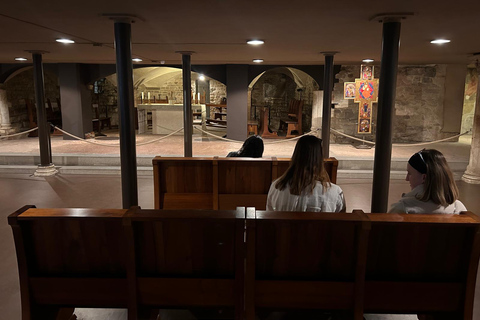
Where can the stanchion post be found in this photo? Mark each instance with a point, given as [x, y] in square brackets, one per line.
[46, 167]
[386, 104]
[128, 155]
[327, 101]
[187, 102]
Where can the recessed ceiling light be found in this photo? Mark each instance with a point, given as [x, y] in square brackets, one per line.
[367, 60]
[440, 41]
[20, 59]
[255, 42]
[63, 40]
[257, 60]
[201, 77]
[137, 60]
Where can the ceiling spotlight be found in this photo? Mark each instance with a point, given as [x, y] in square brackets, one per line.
[255, 42]
[367, 60]
[63, 40]
[137, 60]
[20, 59]
[162, 62]
[201, 77]
[440, 41]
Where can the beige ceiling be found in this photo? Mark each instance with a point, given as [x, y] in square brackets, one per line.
[295, 32]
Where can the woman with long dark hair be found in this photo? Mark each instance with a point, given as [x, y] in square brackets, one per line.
[433, 186]
[305, 186]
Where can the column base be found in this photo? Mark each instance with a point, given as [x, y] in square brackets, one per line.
[45, 171]
[471, 178]
[5, 131]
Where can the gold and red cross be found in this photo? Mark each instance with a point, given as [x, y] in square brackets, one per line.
[366, 93]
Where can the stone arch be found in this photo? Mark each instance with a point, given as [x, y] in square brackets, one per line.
[277, 87]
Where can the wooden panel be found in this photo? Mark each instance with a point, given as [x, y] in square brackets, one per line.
[308, 250]
[231, 201]
[179, 176]
[185, 292]
[88, 292]
[418, 252]
[411, 297]
[179, 247]
[187, 201]
[304, 294]
[70, 246]
[241, 176]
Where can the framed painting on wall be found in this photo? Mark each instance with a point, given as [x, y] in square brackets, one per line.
[349, 90]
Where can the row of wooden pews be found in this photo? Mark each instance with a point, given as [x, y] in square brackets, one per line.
[219, 183]
[246, 260]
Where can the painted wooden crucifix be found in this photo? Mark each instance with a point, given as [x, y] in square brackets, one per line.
[365, 93]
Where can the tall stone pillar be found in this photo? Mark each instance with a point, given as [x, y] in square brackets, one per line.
[5, 125]
[472, 174]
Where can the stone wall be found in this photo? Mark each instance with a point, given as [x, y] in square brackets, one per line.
[21, 88]
[276, 89]
[418, 108]
[106, 100]
[173, 88]
[470, 98]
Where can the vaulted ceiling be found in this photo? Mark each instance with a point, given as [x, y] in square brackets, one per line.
[295, 32]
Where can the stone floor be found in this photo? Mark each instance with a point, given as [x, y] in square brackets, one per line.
[104, 191]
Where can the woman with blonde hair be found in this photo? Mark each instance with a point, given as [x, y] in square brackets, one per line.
[433, 186]
[305, 186]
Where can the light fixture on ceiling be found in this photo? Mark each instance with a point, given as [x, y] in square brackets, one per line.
[367, 60]
[440, 41]
[20, 59]
[255, 42]
[257, 60]
[201, 77]
[137, 60]
[64, 40]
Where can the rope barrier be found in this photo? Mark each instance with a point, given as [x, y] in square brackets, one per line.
[401, 144]
[18, 134]
[113, 145]
[264, 142]
[161, 138]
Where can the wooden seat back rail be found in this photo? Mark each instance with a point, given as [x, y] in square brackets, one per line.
[141, 259]
[219, 183]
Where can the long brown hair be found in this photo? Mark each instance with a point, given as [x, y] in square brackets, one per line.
[306, 167]
[439, 185]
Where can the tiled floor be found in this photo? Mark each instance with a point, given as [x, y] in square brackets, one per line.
[102, 191]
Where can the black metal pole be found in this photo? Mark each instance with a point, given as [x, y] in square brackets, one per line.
[187, 104]
[128, 156]
[386, 104]
[43, 127]
[327, 103]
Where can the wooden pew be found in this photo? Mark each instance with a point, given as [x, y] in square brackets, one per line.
[69, 258]
[305, 260]
[420, 263]
[219, 183]
[181, 259]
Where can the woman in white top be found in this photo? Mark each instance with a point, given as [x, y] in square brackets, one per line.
[305, 186]
[433, 187]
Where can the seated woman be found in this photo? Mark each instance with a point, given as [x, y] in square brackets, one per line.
[251, 148]
[305, 186]
[433, 187]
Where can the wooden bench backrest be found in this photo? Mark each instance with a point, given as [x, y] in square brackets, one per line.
[305, 260]
[187, 258]
[295, 108]
[218, 183]
[70, 256]
[420, 263]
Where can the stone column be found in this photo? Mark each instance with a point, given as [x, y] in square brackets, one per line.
[317, 111]
[5, 125]
[472, 174]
